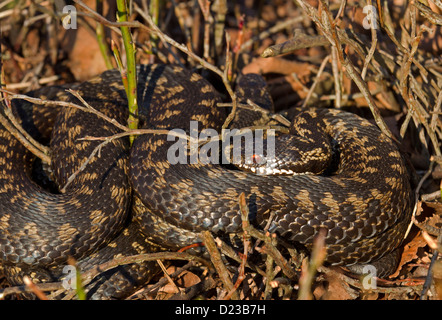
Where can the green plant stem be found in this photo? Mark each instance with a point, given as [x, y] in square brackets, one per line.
[99, 30]
[120, 66]
[130, 67]
[154, 10]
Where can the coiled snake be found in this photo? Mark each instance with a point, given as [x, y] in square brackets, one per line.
[364, 204]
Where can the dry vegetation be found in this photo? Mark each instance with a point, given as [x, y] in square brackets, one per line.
[311, 53]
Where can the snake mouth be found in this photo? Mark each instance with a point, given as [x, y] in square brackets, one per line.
[273, 171]
[270, 170]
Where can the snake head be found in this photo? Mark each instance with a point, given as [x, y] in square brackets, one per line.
[284, 155]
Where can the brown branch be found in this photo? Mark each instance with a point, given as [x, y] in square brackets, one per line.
[333, 36]
[90, 109]
[109, 139]
[270, 247]
[223, 75]
[49, 286]
[266, 33]
[100, 19]
[66, 104]
[362, 85]
[34, 288]
[208, 22]
[34, 147]
[374, 40]
[90, 274]
[309, 271]
[433, 17]
[163, 281]
[215, 256]
[15, 128]
[300, 41]
[41, 81]
[316, 81]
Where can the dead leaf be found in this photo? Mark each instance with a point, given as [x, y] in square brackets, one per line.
[186, 279]
[278, 65]
[410, 252]
[334, 288]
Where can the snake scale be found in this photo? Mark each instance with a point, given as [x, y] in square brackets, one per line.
[364, 204]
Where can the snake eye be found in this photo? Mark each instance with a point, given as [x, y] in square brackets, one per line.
[256, 159]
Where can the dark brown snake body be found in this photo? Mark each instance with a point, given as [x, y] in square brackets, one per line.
[364, 205]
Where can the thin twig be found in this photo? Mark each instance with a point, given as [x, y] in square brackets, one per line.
[22, 85]
[300, 41]
[99, 18]
[433, 17]
[254, 107]
[100, 35]
[208, 22]
[215, 256]
[363, 87]
[309, 271]
[49, 286]
[336, 77]
[223, 75]
[316, 81]
[36, 290]
[270, 247]
[163, 281]
[90, 274]
[374, 41]
[220, 8]
[109, 139]
[231, 253]
[53, 103]
[33, 146]
[266, 33]
[167, 276]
